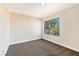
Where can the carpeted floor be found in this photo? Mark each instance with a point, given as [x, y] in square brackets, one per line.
[39, 47]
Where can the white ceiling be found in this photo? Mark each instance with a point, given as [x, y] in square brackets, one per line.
[36, 10]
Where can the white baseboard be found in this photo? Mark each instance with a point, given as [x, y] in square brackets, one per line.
[6, 50]
[64, 45]
[3, 54]
[3, 51]
[24, 41]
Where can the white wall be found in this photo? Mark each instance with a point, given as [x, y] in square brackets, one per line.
[69, 30]
[24, 28]
[4, 29]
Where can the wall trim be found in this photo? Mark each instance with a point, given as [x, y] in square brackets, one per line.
[74, 49]
[6, 50]
[24, 41]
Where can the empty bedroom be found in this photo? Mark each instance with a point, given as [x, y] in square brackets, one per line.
[39, 29]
